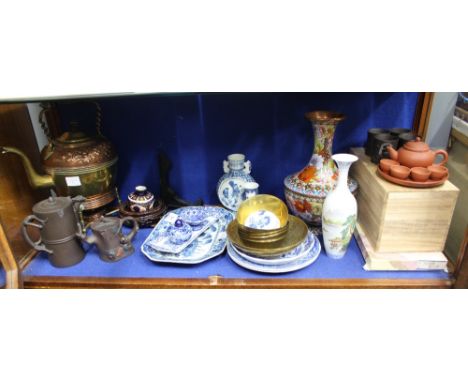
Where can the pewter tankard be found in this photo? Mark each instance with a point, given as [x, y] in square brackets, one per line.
[107, 234]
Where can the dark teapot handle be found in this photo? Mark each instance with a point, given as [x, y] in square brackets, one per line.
[128, 238]
[29, 221]
[383, 147]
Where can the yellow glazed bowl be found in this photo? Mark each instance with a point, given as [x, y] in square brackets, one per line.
[262, 219]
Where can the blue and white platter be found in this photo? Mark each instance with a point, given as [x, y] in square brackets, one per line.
[173, 234]
[285, 258]
[209, 244]
[304, 261]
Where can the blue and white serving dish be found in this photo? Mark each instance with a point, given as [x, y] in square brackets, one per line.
[209, 244]
[194, 216]
[304, 261]
[285, 258]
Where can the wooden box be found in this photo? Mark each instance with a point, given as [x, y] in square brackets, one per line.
[398, 261]
[401, 219]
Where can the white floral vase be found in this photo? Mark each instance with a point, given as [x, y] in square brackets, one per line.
[230, 188]
[339, 211]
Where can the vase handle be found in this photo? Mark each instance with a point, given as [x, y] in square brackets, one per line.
[247, 167]
[225, 166]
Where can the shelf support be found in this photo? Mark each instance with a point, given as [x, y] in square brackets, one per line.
[461, 269]
[13, 274]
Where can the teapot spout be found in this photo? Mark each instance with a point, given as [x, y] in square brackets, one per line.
[392, 152]
[35, 180]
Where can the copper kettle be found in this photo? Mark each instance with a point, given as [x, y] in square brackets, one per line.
[416, 154]
[76, 164]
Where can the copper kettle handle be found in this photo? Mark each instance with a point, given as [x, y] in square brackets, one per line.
[128, 238]
[29, 221]
[98, 118]
[46, 107]
[444, 154]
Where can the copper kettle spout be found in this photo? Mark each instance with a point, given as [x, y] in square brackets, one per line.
[35, 180]
[392, 152]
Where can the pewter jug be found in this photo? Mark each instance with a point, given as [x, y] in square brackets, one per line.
[61, 229]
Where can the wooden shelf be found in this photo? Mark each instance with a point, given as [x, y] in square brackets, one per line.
[137, 271]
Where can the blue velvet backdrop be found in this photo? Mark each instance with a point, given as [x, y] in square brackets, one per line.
[198, 131]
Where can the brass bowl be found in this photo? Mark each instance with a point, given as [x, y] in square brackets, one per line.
[260, 202]
[296, 233]
[255, 235]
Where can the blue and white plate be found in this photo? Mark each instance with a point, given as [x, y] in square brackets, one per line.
[286, 258]
[209, 244]
[311, 255]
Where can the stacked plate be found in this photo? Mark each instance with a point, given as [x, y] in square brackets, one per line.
[265, 238]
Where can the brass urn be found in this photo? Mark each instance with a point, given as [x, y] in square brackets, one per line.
[76, 164]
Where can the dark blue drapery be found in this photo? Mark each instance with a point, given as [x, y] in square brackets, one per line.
[198, 131]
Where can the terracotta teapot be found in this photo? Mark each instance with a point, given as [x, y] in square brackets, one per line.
[416, 154]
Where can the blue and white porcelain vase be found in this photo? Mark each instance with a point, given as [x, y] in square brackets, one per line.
[231, 185]
[339, 211]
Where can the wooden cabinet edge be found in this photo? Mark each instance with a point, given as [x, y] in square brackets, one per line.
[461, 268]
[228, 283]
[13, 277]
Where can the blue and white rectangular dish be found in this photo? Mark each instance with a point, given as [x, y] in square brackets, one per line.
[210, 243]
[161, 235]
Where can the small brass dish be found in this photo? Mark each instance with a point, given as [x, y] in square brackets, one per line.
[296, 233]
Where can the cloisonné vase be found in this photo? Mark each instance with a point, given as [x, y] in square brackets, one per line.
[339, 211]
[306, 190]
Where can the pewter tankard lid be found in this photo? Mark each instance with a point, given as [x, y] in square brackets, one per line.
[52, 204]
[105, 223]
